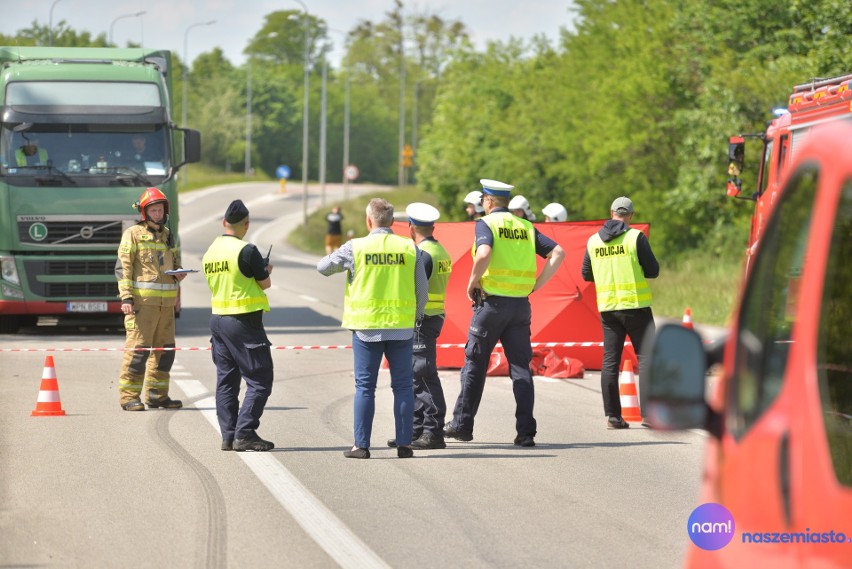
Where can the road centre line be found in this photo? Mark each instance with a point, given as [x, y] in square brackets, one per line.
[318, 521]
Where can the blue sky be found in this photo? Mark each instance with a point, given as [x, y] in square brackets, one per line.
[165, 22]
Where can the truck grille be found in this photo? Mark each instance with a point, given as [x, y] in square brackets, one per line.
[57, 267]
[70, 231]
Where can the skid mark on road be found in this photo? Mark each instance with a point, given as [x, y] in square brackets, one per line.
[318, 521]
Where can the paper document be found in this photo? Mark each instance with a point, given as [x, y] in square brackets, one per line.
[181, 271]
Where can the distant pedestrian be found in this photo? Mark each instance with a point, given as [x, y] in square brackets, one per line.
[334, 231]
[618, 260]
[386, 293]
[501, 279]
[238, 275]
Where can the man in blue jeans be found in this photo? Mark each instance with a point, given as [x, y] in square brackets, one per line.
[386, 293]
[618, 260]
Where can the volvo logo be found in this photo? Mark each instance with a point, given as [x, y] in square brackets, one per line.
[87, 231]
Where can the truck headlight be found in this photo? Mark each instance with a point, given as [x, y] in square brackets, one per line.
[8, 270]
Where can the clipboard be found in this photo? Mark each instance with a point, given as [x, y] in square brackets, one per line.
[180, 271]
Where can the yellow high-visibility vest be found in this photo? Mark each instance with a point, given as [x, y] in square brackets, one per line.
[442, 266]
[382, 293]
[512, 269]
[619, 279]
[233, 292]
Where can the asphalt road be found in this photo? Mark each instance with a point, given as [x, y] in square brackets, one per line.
[101, 487]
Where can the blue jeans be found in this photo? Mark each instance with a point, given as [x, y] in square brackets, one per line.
[368, 358]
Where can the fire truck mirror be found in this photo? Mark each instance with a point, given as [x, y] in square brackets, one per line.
[736, 155]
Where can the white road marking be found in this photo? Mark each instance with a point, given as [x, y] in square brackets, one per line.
[308, 298]
[319, 522]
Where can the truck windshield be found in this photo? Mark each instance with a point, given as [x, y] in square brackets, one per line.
[84, 155]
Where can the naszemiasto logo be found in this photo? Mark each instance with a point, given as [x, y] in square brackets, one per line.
[710, 526]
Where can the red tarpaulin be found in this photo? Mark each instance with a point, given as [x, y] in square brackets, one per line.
[564, 310]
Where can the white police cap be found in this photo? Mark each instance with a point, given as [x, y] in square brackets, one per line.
[420, 213]
[496, 188]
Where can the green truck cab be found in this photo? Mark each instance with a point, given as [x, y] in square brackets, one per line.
[84, 131]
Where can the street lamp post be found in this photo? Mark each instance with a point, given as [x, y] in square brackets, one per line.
[401, 176]
[112, 25]
[186, 78]
[248, 120]
[345, 129]
[50, 22]
[305, 116]
[323, 123]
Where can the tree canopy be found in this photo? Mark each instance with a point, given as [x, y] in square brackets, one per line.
[637, 99]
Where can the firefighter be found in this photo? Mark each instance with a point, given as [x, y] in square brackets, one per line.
[555, 212]
[520, 206]
[473, 205]
[148, 298]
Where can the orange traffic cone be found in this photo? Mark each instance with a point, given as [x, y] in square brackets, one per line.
[48, 396]
[628, 395]
[687, 318]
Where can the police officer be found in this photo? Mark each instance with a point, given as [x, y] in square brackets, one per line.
[618, 260]
[502, 277]
[148, 297]
[386, 292]
[238, 275]
[430, 407]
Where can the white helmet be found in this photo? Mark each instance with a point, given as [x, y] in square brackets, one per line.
[555, 212]
[475, 198]
[520, 202]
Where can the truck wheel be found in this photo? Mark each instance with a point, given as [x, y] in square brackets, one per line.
[9, 324]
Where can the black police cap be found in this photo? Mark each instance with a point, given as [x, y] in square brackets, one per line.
[236, 212]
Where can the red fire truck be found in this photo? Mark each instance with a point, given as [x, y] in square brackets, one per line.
[811, 104]
[777, 485]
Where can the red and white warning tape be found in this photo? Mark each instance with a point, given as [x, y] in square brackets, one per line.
[342, 347]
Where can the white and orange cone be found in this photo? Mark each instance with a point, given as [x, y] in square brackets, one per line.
[48, 396]
[687, 319]
[628, 395]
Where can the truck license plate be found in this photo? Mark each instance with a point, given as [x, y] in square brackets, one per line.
[86, 307]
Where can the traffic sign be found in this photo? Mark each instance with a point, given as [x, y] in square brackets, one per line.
[283, 172]
[351, 172]
[407, 155]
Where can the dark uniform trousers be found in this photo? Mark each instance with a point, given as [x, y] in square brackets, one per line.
[506, 319]
[617, 326]
[430, 407]
[241, 349]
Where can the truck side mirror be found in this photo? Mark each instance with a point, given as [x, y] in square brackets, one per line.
[191, 146]
[672, 383]
[736, 162]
